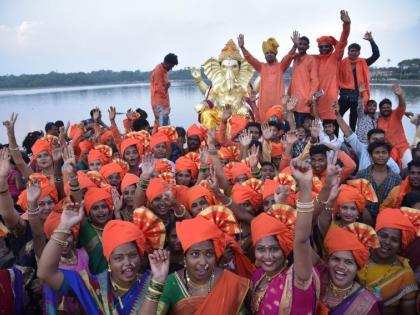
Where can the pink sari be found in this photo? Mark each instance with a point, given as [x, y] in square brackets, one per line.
[281, 296]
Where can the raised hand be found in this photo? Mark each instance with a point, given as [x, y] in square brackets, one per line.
[245, 138]
[4, 162]
[73, 214]
[117, 201]
[295, 38]
[112, 112]
[10, 124]
[148, 165]
[344, 16]
[241, 41]
[315, 129]
[281, 194]
[227, 113]
[336, 108]
[33, 191]
[362, 87]
[211, 136]
[396, 88]
[291, 103]
[284, 100]
[253, 157]
[56, 151]
[368, 36]
[159, 264]
[212, 182]
[204, 158]
[129, 113]
[301, 171]
[266, 132]
[68, 155]
[291, 137]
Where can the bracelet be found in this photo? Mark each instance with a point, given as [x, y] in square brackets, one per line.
[14, 149]
[74, 185]
[67, 232]
[34, 211]
[151, 298]
[180, 215]
[305, 210]
[156, 285]
[229, 202]
[59, 242]
[321, 202]
[304, 205]
[4, 191]
[154, 291]
[74, 188]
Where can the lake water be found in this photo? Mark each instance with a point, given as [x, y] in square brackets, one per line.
[38, 106]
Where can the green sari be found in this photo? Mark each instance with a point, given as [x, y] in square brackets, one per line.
[91, 241]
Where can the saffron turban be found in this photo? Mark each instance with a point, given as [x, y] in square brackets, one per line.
[105, 135]
[117, 233]
[357, 191]
[111, 168]
[398, 219]
[193, 231]
[47, 189]
[128, 142]
[95, 155]
[159, 137]
[237, 124]
[230, 153]
[276, 111]
[242, 193]
[85, 145]
[340, 239]
[239, 169]
[269, 188]
[41, 145]
[270, 46]
[94, 195]
[326, 40]
[157, 186]
[265, 225]
[128, 180]
[53, 221]
[198, 191]
[194, 130]
[186, 164]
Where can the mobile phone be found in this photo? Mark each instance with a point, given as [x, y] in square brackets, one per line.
[319, 93]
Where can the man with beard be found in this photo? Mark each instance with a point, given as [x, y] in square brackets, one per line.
[411, 183]
[272, 85]
[379, 174]
[391, 122]
[304, 82]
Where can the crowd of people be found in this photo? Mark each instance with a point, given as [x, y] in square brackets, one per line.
[272, 212]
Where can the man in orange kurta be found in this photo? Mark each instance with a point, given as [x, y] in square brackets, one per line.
[272, 84]
[159, 85]
[304, 81]
[391, 122]
[330, 53]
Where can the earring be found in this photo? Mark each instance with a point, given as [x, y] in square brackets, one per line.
[185, 263]
[109, 268]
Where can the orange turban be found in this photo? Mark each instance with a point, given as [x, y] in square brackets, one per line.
[396, 219]
[97, 155]
[276, 149]
[230, 153]
[194, 130]
[193, 231]
[41, 145]
[239, 169]
[159, 137]
[128, 142]
[163, 165]
[199, 191]
[265, 225]
[111, 168]
[105, 135]
[326, 39]
[270, 187]
[85, 145]
[186, 164]
[53, 221]
[357, 191]
[237, 124]
[94, 195]
[156, 187]
[128, 180]
[339, 239]
[276, 110]
[117, 233]
[47, 189]
[84, 180]
[242, 193]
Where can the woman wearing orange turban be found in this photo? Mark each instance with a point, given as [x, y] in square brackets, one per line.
[277, 287]
[160, 145]
[186, 171]
[131, 151]
[122, 289]
[97, 159]
[201, 286]
[348, 252]
[42, 151]
[239, 172]
[128, 189]
[113, 173]
[199, 198]
[387, 274]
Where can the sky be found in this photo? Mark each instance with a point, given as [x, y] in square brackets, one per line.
[86, 35]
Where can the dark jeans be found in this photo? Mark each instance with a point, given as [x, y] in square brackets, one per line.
[300, 117]
[348, 99]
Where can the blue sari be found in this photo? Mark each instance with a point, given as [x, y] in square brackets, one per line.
[95, 293]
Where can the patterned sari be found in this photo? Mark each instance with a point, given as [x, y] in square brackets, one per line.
[95, 293]
[391, 282]
[227, 297]
[281, 296]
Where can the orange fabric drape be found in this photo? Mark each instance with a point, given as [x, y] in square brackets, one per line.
[346, 78]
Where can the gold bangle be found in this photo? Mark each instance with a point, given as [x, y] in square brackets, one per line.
[180, 215]
[305, 210]
[304, 205]
[67, 232]
[157, 283]
[154, 291]
[4, 191]
[151, 300]
[59, 242]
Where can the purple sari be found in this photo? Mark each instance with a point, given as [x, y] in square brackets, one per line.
[281, 296]
[361, 302]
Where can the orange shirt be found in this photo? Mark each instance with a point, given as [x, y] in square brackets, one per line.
[304, 81]
[394, 130]
[272, 84]
[327, 73]
[159, 86]
[346, 78]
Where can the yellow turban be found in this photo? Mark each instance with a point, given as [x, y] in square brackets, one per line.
[270, 45]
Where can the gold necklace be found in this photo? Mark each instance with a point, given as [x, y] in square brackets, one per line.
[117, 287]
[269, 278]
[192, 284]
[340, 292]
[69, 261]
